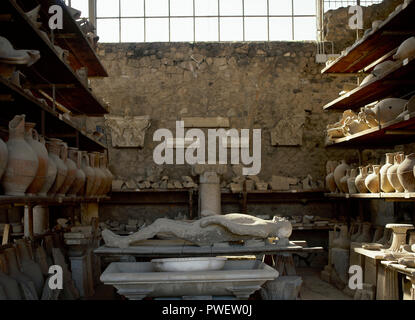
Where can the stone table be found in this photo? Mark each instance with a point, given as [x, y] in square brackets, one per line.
[409, 273]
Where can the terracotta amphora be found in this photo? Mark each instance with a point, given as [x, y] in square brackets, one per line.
[4, 153]
[343, 182]
[385, 185]
[372, 180]
[89, 173]
[29, 267]
[392, 173]
[365, 235]
[406, 173]
[32, 138]
[10, 285]
[406, 49]
[51, 173]
[54, 148]
[351, 181]
[99, 176]
[360, 180]
[75, 156]
[22, 162]
[330, 182]
[71, 173]
[340, 172]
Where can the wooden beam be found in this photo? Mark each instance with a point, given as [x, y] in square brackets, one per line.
[49, 86]
[65, 35]
[400, 132]
[6, 234]
[6, 97]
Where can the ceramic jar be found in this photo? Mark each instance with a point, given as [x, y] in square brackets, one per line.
[29, 267]
[340, 172]
[75, 156]
[351, 181]
[71, 173]
[3, 157]
[89, 173]
[372, 182]
[54, 148]
[365, 234]
[360, 180]
[406, 173]
[99, 175]
[22, 162]
[341, 240]
[385, 185]
[10, 285]
[406, 49]
[32, 138]
[386, 110]
[392, 173]
[343, 182]
[51, 173]
[355, 235]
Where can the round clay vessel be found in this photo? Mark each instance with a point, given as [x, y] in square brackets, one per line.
[71, 173]
[385, 185]
[343, 182]
[89, 173]
[22, 162]
[406, 49]
[360, 180]
[388, 109]
[4, 153]
[340, 172]
[351, 181]
[51, 173]
[372, 180]
[99, 175]
[75, 155]
[54, 148]
[392, 173]
[406, 173]
[32, 138]
[330, 182]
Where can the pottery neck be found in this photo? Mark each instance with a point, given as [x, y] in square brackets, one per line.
[363, 171]
[53, 146]
[353, 173]
[398, 158]
[64, 151]
[389, 158]
[75, 156]
[16, 127]
[102, 162]
[85, 159]
[410, 156]
[376, 169]
[29, 128]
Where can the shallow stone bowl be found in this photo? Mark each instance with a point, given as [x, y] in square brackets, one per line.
[188, 264]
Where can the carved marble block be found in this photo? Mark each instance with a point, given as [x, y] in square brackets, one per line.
[288, 132]
[127, 131]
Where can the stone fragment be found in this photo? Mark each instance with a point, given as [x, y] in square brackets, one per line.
[205, 122]
[280, 183]
[261, 186]
[131, 184]
[117, 185]
[282, 288]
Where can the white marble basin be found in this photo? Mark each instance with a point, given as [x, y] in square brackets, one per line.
[188, 264]
[137, 280]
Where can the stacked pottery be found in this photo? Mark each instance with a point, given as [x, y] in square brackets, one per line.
[22, 162]
[3, 157]
[351, 185]
[385, 185]
[406, 173]
[71, 170]
[372, 182]
[89, 173]
[343, 182]
[340, 172]
[50, 174]
[54, 148]
[75, 156]
[99, 175]
[32, 138]
[392, 173]
[360, 180]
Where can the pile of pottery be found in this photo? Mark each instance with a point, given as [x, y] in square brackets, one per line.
[370, 116]
[396, 175]
[31, 166]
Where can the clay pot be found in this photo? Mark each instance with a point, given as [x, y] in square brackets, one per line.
[343, 182]
[28, 289]
[32, 138]
[360, 180]
[341, 240]
[75, 155]
[89, 173]
[330, 183]
[383, 67]
[392, 173]
[99, 175]
[356, 235]
[50, 175]
[10, 285]
[3, 157]
[108, 175]
[330, 166]
[406, 173]
[340, 172]
[351, 185]
[29, 267]
[54, 148]
[22, 161]
[385, 185]
[406, 49]
[365, 234]
[71, 173]
[386, 110]
[372, 182]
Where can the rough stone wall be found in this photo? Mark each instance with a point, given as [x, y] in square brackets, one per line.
[336, 22]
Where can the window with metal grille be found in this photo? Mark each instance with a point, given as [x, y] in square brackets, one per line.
[334, 4]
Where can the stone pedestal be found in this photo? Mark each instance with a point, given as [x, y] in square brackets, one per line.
[81, 274]
[387, 284]
[282, 288]
[340, 261]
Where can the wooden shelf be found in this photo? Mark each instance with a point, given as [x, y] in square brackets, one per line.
[34, 200]
[387, 135]
[50, 69]
[378, 44]
[49, 122]
[397, 82]
[397, 196]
